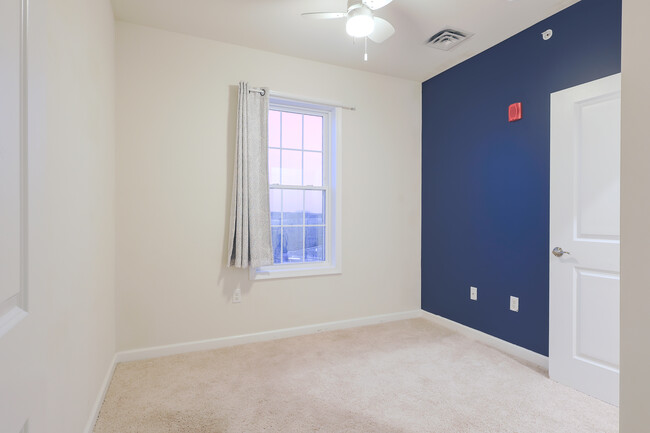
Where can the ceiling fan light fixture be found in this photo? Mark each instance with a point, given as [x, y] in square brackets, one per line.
[360, 22]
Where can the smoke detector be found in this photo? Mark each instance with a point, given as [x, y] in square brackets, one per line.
[448, 38]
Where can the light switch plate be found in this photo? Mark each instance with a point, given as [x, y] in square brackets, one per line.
[473, 293]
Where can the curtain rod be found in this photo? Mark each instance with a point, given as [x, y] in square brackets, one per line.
[301, 99]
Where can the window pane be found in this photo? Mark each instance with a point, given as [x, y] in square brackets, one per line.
[314, 244]
[313, 169]
[291, 167]
[277, 245]
[291, 131]
[292, 207]
[275, 198]
[274, 128]
[274, 166]
[292, 245]
[314, 207]
[313, 132]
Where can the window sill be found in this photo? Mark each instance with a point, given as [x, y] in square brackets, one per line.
[289, 271]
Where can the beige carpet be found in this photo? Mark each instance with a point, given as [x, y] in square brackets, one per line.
[408, 376]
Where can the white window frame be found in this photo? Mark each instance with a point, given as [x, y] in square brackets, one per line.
[331, 185]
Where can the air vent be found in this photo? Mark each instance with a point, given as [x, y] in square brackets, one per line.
[447, 39]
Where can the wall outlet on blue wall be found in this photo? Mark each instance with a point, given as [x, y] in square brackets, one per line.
[514, 304]
[473, 293]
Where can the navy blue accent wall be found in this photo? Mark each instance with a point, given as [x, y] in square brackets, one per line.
[485, 182]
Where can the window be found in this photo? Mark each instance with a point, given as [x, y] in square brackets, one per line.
[303, 183]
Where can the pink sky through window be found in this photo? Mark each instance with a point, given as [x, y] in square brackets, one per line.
[274, 128]
[291, 130]
[291, 167]
[313, 133]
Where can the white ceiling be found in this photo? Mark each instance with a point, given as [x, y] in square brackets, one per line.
[276, 26]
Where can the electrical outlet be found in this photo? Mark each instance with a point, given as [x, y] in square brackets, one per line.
[514, 303]
[236, 296]
[473, 293]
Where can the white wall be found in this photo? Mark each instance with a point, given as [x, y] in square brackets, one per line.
[52, 363]
[635, 220]
[176, 110]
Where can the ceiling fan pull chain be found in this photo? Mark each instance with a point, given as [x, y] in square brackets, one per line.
[365, 54]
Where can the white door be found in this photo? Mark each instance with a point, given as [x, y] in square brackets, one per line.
[584, 218]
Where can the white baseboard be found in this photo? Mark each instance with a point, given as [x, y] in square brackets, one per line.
[497, 343]
[90, 425]
[217, 343]
[173, 349]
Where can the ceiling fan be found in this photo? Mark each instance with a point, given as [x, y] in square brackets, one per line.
[361, 21]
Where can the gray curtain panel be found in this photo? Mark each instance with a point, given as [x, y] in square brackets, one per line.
[250, 219]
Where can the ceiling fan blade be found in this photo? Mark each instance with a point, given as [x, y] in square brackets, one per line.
[383, 30]
[376, 4]
[324, 15]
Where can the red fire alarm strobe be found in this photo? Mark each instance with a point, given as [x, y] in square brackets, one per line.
[514, 112]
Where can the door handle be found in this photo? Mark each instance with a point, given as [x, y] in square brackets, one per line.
[559, 252]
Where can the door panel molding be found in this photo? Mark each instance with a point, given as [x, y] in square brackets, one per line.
[14, 305]
[590, 202]
[597, 325]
